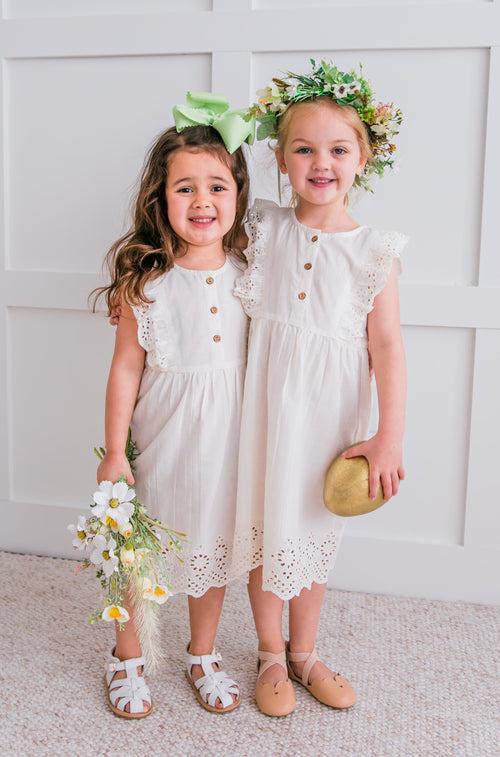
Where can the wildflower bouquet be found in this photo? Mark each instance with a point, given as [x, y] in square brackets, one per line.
[124, 544]
[382, 120]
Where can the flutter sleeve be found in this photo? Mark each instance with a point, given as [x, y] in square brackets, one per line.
[387, 248]
[249, 287]
[154, 330]
[383, 249]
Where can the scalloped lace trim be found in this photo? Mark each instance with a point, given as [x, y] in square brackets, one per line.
[249, 287]
[292, 568]
[153, 334]
[373, 278]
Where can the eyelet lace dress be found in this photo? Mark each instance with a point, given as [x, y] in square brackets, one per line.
[187, 417]
[307, 388]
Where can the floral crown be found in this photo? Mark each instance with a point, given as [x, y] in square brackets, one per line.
[381, 119]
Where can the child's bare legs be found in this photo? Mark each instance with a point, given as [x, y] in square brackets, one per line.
[204, 616]
[267, 611]
[304, 612]
[127, 647]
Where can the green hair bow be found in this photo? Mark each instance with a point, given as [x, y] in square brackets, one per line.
[208, 109]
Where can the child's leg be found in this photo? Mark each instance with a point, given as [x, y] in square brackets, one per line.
[324, 684]
[304, 612]
[204, 616]
[267, 611]
[127, 647]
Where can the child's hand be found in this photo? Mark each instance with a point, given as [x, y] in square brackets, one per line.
[112, 466]
[384, 457]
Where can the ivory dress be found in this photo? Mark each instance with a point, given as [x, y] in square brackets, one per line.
[307, 387]
[187, 417]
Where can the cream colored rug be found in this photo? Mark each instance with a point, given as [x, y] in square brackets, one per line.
[424, 672]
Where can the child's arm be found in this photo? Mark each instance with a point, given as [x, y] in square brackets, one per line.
[121, 395]
[384, 450]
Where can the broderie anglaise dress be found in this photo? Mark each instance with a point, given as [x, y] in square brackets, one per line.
[307, 387]
[187, 418]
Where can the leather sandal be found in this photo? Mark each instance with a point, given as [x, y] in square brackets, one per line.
[274, 699]
[131, 690]
[214, 685]
[334, 691]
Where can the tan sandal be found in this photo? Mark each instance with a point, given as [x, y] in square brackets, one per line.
[131, 690]
[334, 691]
[274, 699]
[214, 685]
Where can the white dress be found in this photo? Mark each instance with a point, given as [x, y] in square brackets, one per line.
[307, 387]
[187, 417]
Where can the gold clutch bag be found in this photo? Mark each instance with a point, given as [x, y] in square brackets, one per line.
[346, 491]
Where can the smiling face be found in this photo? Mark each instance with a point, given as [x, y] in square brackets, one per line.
[201, 196]
[320, 153]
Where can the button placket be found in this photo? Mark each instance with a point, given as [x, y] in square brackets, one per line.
[214, 309]
[306, 266]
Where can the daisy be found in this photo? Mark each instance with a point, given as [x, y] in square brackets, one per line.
[113, 503]
[103, 555]
[80, 540]
[115, 612]
[155, 592]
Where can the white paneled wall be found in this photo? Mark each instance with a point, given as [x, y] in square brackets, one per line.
[85, 88]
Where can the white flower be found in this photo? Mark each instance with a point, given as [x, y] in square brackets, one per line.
[80, 540]
[155, 592]
[115, 612]
[378, 129]
[342, 90]
[127, 555]
[291, 90]
[113, 503]
[126, 530]
[270, 98]
[103, 555]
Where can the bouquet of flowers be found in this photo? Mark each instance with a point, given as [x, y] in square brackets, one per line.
[124, 544]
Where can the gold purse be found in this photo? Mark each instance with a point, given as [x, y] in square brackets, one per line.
[346, 490]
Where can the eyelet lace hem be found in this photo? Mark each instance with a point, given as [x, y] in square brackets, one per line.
[372, 280]
[296, 565]
[250, 286]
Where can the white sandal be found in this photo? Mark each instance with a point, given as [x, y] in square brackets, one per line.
[131, 690]
[214, 685]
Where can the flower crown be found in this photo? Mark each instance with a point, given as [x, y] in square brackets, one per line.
[381, 119]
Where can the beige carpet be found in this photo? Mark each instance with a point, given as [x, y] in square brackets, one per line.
[424, 672]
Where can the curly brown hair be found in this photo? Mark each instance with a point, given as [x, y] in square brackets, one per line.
[150, 246]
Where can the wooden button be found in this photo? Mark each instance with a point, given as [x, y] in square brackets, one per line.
[314, 238]
[210, 280]
[213, 309]
[302, 295]
[216, 338]
[307, 266]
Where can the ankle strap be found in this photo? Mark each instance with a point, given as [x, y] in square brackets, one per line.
[127, 665]
[308, 658]
[205, 660]
[267, 659]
